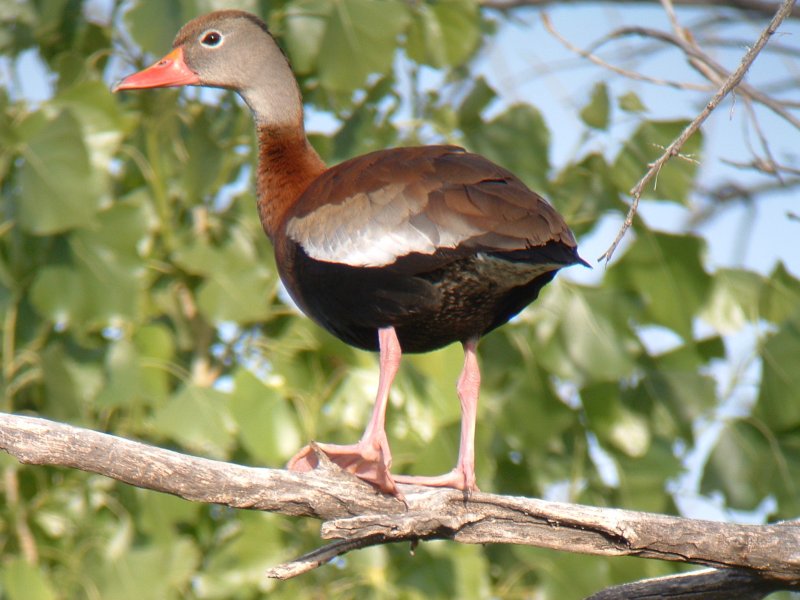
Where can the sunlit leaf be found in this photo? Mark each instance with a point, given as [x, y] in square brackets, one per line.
[596, 112]
[24, 581]
[780, 295]
[267, 427]
[360, 39]
[56, 178]
[497, 140]
[615, 425]
[582, 333]
[630, 102]
[779, 396]
[667, 273]
[443, 33]
[243, 557]
[149, 571]
[734, 299]
[746, 451]
[153, 25]
[199, 419]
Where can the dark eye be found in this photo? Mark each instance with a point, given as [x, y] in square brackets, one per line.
[211, 39]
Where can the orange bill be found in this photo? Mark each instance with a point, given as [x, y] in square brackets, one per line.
[170, 71]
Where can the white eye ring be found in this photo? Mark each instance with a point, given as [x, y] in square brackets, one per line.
[211, 38]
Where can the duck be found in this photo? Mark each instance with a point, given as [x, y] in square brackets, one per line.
[401, 250]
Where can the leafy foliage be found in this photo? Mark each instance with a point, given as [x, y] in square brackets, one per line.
[139, 295]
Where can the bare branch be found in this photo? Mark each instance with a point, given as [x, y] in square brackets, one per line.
[706, 65]
[708, 584]
[358, 515]
[755, 7]
[764, 166]
[674, 148]
[620, 71]
[320, 556]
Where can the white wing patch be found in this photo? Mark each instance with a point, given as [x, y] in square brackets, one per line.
[375, 229]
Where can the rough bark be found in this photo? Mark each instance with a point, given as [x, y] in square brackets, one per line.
[356, 515]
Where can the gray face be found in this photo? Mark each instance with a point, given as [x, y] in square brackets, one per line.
[234, 50]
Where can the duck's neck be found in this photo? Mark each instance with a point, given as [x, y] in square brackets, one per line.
[287, 164]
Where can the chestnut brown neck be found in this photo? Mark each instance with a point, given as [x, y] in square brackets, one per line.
[287, 164]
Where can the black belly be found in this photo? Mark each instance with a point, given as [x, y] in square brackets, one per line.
[430, 301]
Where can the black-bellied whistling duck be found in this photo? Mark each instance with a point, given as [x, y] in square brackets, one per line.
[408, 249]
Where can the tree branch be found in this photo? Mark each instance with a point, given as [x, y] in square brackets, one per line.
[755, 7]
[708, 584]
[674, 148]
[357, 515]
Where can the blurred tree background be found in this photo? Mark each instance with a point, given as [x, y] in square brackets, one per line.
[138, 294]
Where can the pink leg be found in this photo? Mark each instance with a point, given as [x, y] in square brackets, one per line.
[370, 458]
[469, 383]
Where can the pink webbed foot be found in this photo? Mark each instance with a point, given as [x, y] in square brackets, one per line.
[457, 479]
[367, 461]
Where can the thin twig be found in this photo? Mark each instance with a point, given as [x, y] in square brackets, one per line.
[320, 556]
[757, 7]
[706, 65]
[674, 148]
[701, 61]
[708, 584]
[763, 166]
[624, 72]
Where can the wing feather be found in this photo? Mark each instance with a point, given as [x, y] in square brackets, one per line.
[378, 208]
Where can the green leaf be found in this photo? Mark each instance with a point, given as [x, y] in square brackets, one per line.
[94, 106]
[304, 29]
[673, 399]
[498, 140]
[630, 102]
[676, 178]
[242, 296]
[642, 479]
[733, 300]
[238, 284]
[58, 192]
[155, 344]
[614, 424]
[244, 554]
[267, 426]
[161, 516]
[199, 419]
[779, 396]
[57, 294]
[124, 376]
[148, 571]
[479, 97]
[366, 129]
[584, 191]
[24, 581]
[360, 39]
[204, 159]
[596, 112]
[582, 334]
[749, 463]
[153, 25]
[70, 385]
[780, 295]
[103, 278]
[443, 33]
[666, 272]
